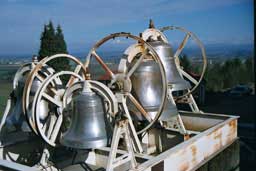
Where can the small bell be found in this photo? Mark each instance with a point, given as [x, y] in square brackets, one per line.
[88, 127]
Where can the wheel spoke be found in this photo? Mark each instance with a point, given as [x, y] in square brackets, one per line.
[137, 143]
[51, 126]
[136, 65]
[40, 78]
[43, 127]
[139, 107]
[72, 78]
[113, 80]
[54, 133]
[102, 63]
[182, 45]
[194, 81]
[53, 90]
[51, 99]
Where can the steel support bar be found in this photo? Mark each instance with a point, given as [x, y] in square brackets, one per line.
[16, 166]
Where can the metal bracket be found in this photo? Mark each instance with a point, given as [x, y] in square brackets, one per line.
[175, 123]
[193, 104]
[189, 99]
[121, 128]
[45, 157]
[6, 111]
[136, 142]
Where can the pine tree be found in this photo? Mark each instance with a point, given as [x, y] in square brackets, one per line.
[43, 47]
[249, 69]
[60, 42]
[52, 43]
[185, 63]
[60, 47]
[52, 40]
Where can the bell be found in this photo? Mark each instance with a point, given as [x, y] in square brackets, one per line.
[147, 89]
[164, 51]
[88, 127]
[43, 105]
[16, 119]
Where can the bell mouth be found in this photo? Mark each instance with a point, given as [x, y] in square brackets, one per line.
[178, 86]
[169, 111]
[84, 143]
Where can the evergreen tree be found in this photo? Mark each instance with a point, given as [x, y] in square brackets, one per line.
[214, 77]
[53, 43]
[185, 63]
[44, 43]
[228, 75]
[60, 47]
[52, 39]
[249, 70]
[60, 42]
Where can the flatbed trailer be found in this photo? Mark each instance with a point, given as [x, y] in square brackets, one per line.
[211, 135]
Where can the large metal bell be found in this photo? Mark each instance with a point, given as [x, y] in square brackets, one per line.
[88, 127]
[16, 119]
[43, 105]
[147, 88]
[174, 79]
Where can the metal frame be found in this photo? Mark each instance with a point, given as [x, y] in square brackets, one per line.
[210, 133]
[155, 33]
[55, 123]
[35, 74]
[125, 76]
[121, 129]
[6, 112]
[215, 132]
[188, 96]
[194, 152]
[179, 50]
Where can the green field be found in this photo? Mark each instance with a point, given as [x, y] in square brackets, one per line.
[5, 89]
[6, 76]
[7, 72]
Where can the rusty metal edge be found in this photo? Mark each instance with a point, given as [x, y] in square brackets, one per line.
[214, 154]
[161, 157]
[209, 114]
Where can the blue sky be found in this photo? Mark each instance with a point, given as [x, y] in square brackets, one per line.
[86, 21]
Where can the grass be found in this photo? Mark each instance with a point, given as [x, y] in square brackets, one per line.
[7, 72]
[5, 89]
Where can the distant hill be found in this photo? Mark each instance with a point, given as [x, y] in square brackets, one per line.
[224, 51]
